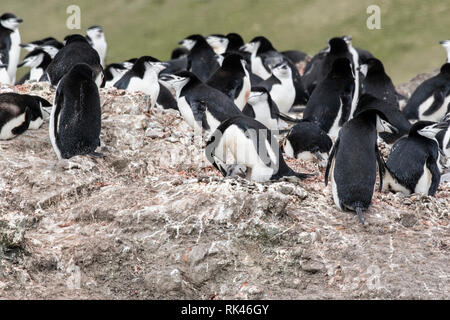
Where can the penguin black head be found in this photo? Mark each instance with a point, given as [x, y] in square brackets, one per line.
[147, 62]
[374, 66]
[341, 68]
[71, 38]
[370, 106]
[427, 129]
[34, 58]
[218, 42]
[235, 41]
[178, 53]
[179, 80]
[10, 21]
[259, 94]
[233, 63]
[259, 45]
[189, 42]
[337, 45]
[94, 33]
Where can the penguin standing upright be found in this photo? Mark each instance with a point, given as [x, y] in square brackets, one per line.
[263, 56]
[376, 82]
[321, 64]
[201, 59]
[201, 106]
[252, 146]
[431, 99]
[10, 43]
[232, 79]
[143, 76]
[75, 121]
[413, 164]
[76, 50]
[353, 160]
[281, 86]
[330, 104]
[96, 38]
[19, 112]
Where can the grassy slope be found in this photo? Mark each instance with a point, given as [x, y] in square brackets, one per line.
[407, 42]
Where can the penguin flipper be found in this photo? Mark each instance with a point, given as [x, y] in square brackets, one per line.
[435, 175]
[24, 126]
[346, 100]
[381, 166]
[330, 160]
[288, 118]
[439, 97]
[199, 111]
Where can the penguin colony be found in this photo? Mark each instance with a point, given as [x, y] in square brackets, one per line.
[252, 103]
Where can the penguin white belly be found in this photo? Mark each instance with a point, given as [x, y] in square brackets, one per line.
[187, 113]
[424, 183]
[14, 54]
[334, 187]
[4, 76]
[390, 183]
[262, 114]
[36, 124]
[212, 122]
[244, 153]
[288, 150]
[242, 98]
[436, 116]
[6, 130]
[36, 74]
[284, 95]
[259, 69]
[334, 130]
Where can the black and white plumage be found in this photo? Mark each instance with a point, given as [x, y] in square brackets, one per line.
[232, 79]
[201, 106]
[4, 76]
[443, 138]
[263, 56]
[252, 146]
[19, 112]
[262, 108]
[306, 141]
[165, 98]
[353, 160]
[10, 43]
[431, 99]
[330, 104]
[112, 73]
[201, 59]
[446, 45]
[413, 164]
[96, 38]
[143, 77]
[75, 120]
[321, 64]
[76, 50]
[225, 43]
[38, 61]
[281, 86]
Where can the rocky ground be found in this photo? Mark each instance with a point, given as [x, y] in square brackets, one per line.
[154, 220]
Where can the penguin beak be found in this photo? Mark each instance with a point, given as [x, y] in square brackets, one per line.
[19, 20]
[22, 63]
[442, 125]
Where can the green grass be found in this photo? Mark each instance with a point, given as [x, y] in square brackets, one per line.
[407, 43]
